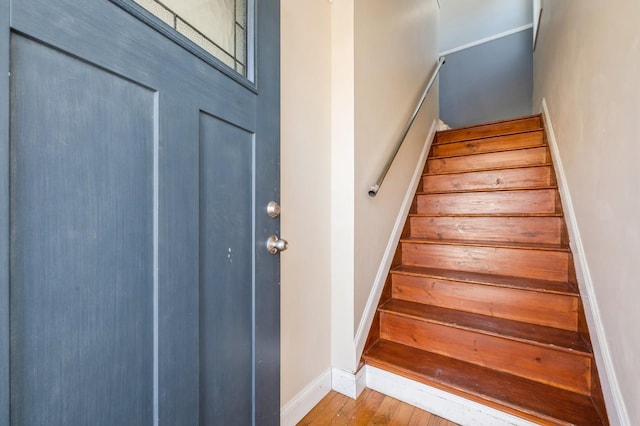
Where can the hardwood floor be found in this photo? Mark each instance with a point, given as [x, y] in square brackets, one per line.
[371, 408]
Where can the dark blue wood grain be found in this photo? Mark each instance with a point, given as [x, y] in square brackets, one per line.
[81, 253]
[226, 273]
[210, 131]
[123, 42]
[267, 309]
[4, 213]
[179, 367]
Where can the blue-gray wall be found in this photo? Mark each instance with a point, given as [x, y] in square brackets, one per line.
[488, 82]
[466, 21]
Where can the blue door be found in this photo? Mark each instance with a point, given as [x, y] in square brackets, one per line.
[136, 287]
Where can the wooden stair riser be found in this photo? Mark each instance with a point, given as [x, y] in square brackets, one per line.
[534, 307]
[535, 230]
[545, 364]
[465, 393]
[493, 160]
[539, 264]
[530, 201]
[492, 129]
[542, 404]
[530, 177]
[492, 144]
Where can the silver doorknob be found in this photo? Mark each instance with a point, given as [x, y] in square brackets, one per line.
[275, 244]
[273, 209]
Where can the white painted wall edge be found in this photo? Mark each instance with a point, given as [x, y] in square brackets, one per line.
[616, 408]
[439, 402]
[360, 338]
[348, 384]
[486, 40]
[298, 407]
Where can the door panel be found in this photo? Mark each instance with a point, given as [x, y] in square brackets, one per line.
[226, 288]
[141, 289]
[82, 243]
[178, 272]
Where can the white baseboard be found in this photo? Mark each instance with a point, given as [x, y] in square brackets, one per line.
[616, 408]
[293, 411]
[348, 384]
[381, 276]
[438, 402]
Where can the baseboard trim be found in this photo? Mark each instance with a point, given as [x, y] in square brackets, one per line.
[616, 408]
[446, 405]
[298, 407]
[348, 384]
[366, 320]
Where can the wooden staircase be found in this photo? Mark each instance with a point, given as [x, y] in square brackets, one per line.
[482, 300]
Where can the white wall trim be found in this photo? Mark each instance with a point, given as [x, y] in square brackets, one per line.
[366, 320]
[348, 384]
[451, 407]
[298, 407]
[486, 40]
[616, 408]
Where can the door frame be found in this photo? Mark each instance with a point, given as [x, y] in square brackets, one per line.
[4, 212]
[267, 334]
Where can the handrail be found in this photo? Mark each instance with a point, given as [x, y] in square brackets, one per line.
[376, 186]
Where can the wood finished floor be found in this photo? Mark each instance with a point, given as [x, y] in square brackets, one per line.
[371, 408]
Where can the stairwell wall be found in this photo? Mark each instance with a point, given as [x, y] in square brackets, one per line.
[382, 54]
[466, 21]
[306, 201]
[396, 49]
[489, 71]
[352, 71]
[586, 67]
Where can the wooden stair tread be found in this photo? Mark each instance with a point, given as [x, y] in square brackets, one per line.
[485, 169]
[466, 173]
[488, 129]
[523, 229]
[471, 243]
[522, 157]
[516, 260]
[486, 215]
[498, 189]
[531, 284]
[516, 395]
[530, 177]
[495, 140]
[509, 329]
[530, 200]
[480, 138]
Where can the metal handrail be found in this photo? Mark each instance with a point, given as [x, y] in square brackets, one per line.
[376, 186]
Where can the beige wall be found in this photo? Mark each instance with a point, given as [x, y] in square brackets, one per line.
[305, 175]
[342, 184]
[351, 74]
[395, 51]
[587, 67]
